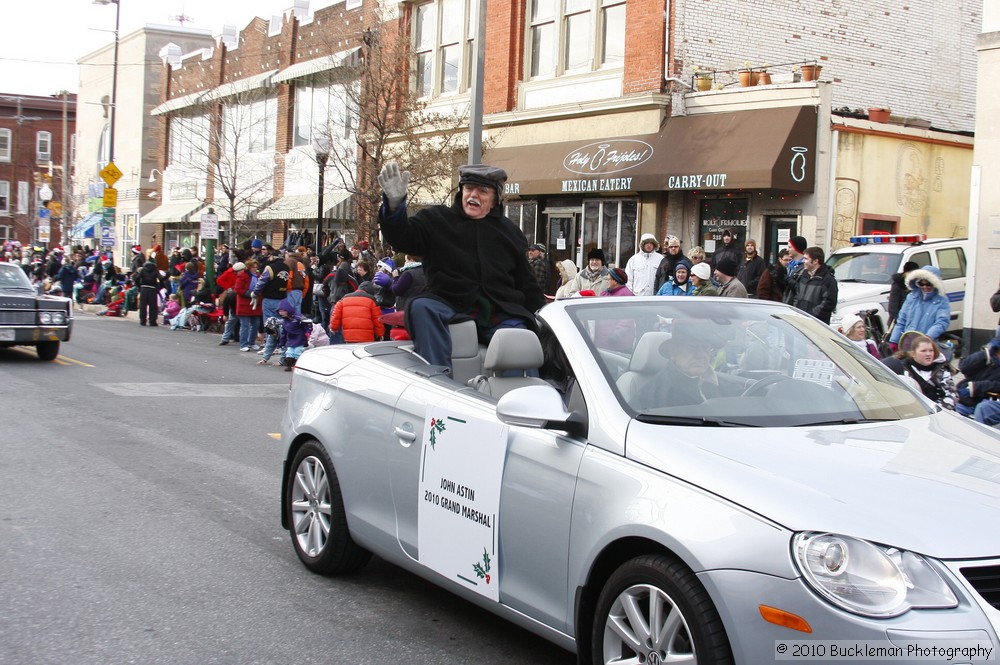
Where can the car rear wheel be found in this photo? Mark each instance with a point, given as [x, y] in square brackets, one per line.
[653, 610]
[47, 350]
[317, 517]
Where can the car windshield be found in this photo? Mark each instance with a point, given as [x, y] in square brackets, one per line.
[871, 268]
[704, 361]
[12, 277]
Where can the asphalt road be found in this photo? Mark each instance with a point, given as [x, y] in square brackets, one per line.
[139, 522]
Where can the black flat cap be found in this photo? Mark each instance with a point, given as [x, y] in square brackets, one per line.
[483, 174]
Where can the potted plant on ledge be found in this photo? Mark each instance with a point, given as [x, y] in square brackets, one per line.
[810, 71]
[748, 77]
[702, 80]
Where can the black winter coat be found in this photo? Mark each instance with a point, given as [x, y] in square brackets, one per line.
[816, 294]
[465, 258]
[750, 273]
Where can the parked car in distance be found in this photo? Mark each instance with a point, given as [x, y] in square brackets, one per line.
[689, 480]
[864, 272]
[29, 319]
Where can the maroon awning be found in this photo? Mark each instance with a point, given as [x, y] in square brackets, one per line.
[771, 148]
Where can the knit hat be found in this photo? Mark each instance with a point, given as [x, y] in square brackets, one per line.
[673, 241]
[256, 243]
[727, 265]
[137, 249]
[849, 322]
[799, 243]
[597, 253]
[702, 271]
[367, 287]
[683, 263]
[238, 266]
[537, 247]
[387, 265]
[619, 275]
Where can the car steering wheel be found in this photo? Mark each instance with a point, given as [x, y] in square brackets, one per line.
[761, 386]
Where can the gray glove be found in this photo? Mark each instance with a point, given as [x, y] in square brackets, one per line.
[393, 184]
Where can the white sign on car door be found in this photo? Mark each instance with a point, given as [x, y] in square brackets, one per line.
[461, 469]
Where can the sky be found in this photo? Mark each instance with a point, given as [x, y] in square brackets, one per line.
[41, 40]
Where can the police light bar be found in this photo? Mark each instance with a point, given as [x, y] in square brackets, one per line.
[911, 238]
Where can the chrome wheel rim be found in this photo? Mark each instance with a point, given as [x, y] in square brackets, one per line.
[311, 506]
[645, 627]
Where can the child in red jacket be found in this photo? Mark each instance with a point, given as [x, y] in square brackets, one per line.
[359, 315]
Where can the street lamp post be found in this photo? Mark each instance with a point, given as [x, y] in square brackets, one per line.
[114, 75]
[322, 147]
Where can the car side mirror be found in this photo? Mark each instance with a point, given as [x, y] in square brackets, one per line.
[540, 407]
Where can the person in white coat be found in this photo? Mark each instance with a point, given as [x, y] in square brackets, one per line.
[641, 267]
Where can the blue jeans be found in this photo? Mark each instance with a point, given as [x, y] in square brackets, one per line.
[270, 342]
[428, 325]
[294, 298]
[270, 307]
[248, 330]
[988, 412]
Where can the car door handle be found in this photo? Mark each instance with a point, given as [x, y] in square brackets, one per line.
[406, 436]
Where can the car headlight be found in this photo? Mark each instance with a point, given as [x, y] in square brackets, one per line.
[45, 318]
[868, 579]
[58, 318]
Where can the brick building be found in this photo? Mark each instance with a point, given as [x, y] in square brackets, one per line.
[592, 110]
[36, 142]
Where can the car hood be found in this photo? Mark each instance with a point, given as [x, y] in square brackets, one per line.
[928, 484]
[858, 292]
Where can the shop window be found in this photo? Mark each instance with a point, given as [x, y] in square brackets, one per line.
[612, 226]
[574, 36]
[4, 145]
[525, 215]
[717, 215]
[43, 147]
[443, 33]
[5, 234]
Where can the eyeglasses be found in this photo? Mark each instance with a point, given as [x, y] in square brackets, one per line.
[924, 284]
[696, 347]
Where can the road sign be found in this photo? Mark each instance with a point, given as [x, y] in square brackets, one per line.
[209, 226]
[56, 208]
[110, 174]
[44, 226]
[107, 236]
[108, 217]
[110, 197]
[44, 213]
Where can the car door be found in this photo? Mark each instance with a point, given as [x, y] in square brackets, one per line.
[951, 262]
[536, 497]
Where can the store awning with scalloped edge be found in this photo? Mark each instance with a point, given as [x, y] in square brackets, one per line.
[336, 205]
[175, 211]
[772, 148]
[85, 227]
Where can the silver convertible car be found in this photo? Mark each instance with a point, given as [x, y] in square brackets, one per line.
[658, 480]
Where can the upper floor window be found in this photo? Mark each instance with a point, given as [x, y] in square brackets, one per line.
[323, 111]
[443, 35]
[4, 145]
[43, 147]
[249, 126]
[189, 137]
[4, 197]
[571, 36]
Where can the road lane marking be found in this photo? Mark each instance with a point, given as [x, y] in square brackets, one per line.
[195, 390]
[275, 435]
[73, 361]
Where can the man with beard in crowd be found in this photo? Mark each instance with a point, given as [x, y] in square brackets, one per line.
[751, 268]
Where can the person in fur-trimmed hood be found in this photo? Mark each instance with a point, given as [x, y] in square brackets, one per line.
[925, 309]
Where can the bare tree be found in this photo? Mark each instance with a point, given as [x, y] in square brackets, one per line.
[228, 144]
[384, 119]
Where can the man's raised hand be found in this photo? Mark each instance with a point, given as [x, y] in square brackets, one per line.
[393, 183]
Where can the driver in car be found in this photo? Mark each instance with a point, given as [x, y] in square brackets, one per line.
[690, 376]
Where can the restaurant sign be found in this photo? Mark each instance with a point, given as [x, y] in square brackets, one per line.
[604, 158]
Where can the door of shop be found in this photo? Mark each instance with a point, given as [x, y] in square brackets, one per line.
[777, 232]
[564, 229]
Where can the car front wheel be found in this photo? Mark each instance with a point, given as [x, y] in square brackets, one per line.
[317, 517]
[47, 350]
[653, 610]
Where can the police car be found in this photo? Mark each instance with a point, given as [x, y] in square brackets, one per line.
[864, 271]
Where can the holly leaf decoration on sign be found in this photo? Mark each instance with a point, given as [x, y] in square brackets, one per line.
[437, 426]
[483, 570]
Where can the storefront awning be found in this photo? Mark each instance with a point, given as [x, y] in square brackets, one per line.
[317, 65]
[240, 86]
[336, 205]
[175, 211]
[85, 227]
[771, 148]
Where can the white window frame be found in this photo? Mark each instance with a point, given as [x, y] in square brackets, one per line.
[5, 144]
[322, 111]
[5, 198]
[43, 147]
[558, 18]
[444, 33]
[22, 197]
